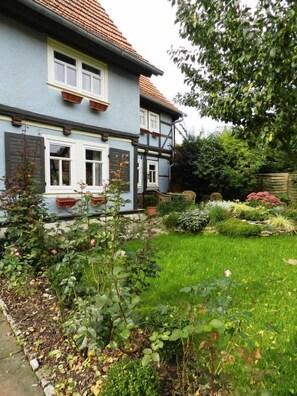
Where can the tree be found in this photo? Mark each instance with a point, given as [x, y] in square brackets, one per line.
[243, 66]
[219, 162]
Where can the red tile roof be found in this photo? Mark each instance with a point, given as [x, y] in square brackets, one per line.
[92, 17]
[149, 91]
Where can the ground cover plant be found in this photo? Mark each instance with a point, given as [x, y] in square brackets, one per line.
[266, 291]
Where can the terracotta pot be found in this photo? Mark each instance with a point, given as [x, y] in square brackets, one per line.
[66, 202]
[98, 200]
[72, 98]
[98, 106]
[151, 210]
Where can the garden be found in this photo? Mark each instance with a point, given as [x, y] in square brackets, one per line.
[199, 300]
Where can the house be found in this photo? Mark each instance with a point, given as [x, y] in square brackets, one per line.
[79, 92]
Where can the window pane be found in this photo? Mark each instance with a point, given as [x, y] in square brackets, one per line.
[71, 76]
[66, 173]
[57, 150]
[59, 72]
[86, 82]
[96, 86]
[91, 69]
[98, 174]
[64, 58]
[89, 173]
[54, 172]
[93, 155]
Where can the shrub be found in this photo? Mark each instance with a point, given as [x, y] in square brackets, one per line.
[263, 199]
[244, 211]
[177, 204]
[150, 200]
[238, 228]
[171, 220]
[194, 220]
[129, 378]
[282, 223]
[162, 319]
[218, 213]
[223, 204]
[291, 214]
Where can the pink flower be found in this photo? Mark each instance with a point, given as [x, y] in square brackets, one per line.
[93, 242]
[227, 273]
[54, 251]
[17, 253]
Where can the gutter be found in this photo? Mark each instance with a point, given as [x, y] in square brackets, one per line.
[97, 40]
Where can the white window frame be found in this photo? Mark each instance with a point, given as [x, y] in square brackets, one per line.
[78, 164]
[80, 59]
[140, 171]
[149, 182]
[144, 116]
[157, 121]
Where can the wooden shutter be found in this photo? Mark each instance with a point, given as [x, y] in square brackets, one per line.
[15, 144]
[116, 157]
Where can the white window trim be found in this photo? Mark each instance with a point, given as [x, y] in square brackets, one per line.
[144, 126]
[156, 164]
[80, 59]
[140, 171]
[158, 122]
[78, 165]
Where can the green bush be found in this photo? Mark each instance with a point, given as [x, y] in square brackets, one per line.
[218, 213]
[194, 220]
[171, 220]
[166, 318]
[257, 214]
[177, 204]
[129, 378]
[238, 228]
[290, 214]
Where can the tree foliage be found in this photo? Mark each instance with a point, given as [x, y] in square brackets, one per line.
[242, 67]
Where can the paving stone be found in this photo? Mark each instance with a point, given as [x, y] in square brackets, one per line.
[17, 377]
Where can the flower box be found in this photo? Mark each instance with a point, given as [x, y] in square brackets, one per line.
[98, 106]
[144, 131]
[71, 98]
[66, 202]
[98, 200]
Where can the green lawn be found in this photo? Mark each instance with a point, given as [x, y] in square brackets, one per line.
[267, 288]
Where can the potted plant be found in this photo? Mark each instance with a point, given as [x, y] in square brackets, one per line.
[150, 202]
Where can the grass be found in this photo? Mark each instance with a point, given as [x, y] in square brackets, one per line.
[267, 289]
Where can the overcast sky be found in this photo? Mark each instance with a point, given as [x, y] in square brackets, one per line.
[149, 27]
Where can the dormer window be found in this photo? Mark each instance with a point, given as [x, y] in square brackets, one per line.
[75, 72]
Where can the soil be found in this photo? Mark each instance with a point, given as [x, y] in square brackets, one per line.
[37, 316]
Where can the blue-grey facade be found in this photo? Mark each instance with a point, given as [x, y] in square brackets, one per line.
[32, 104]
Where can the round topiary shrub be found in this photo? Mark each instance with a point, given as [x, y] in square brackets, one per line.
[171, 220]
[216, 196]
[194, 220]
[129, 378]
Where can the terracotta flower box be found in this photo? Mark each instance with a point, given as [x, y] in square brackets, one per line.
[144, 131]
[71, 98]
[98, 200]
[66, 202]
[98, 106]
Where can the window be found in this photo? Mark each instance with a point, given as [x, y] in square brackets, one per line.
[74, 71]
[69, 162]
[149, 120]
[143, 118]
[152, 174]
[93, 167]
[60, 165]
[154, 122]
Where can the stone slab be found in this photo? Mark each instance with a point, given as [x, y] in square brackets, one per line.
[8, 345]
[17, 377]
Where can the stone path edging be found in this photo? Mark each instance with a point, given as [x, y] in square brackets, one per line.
[47, 387]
